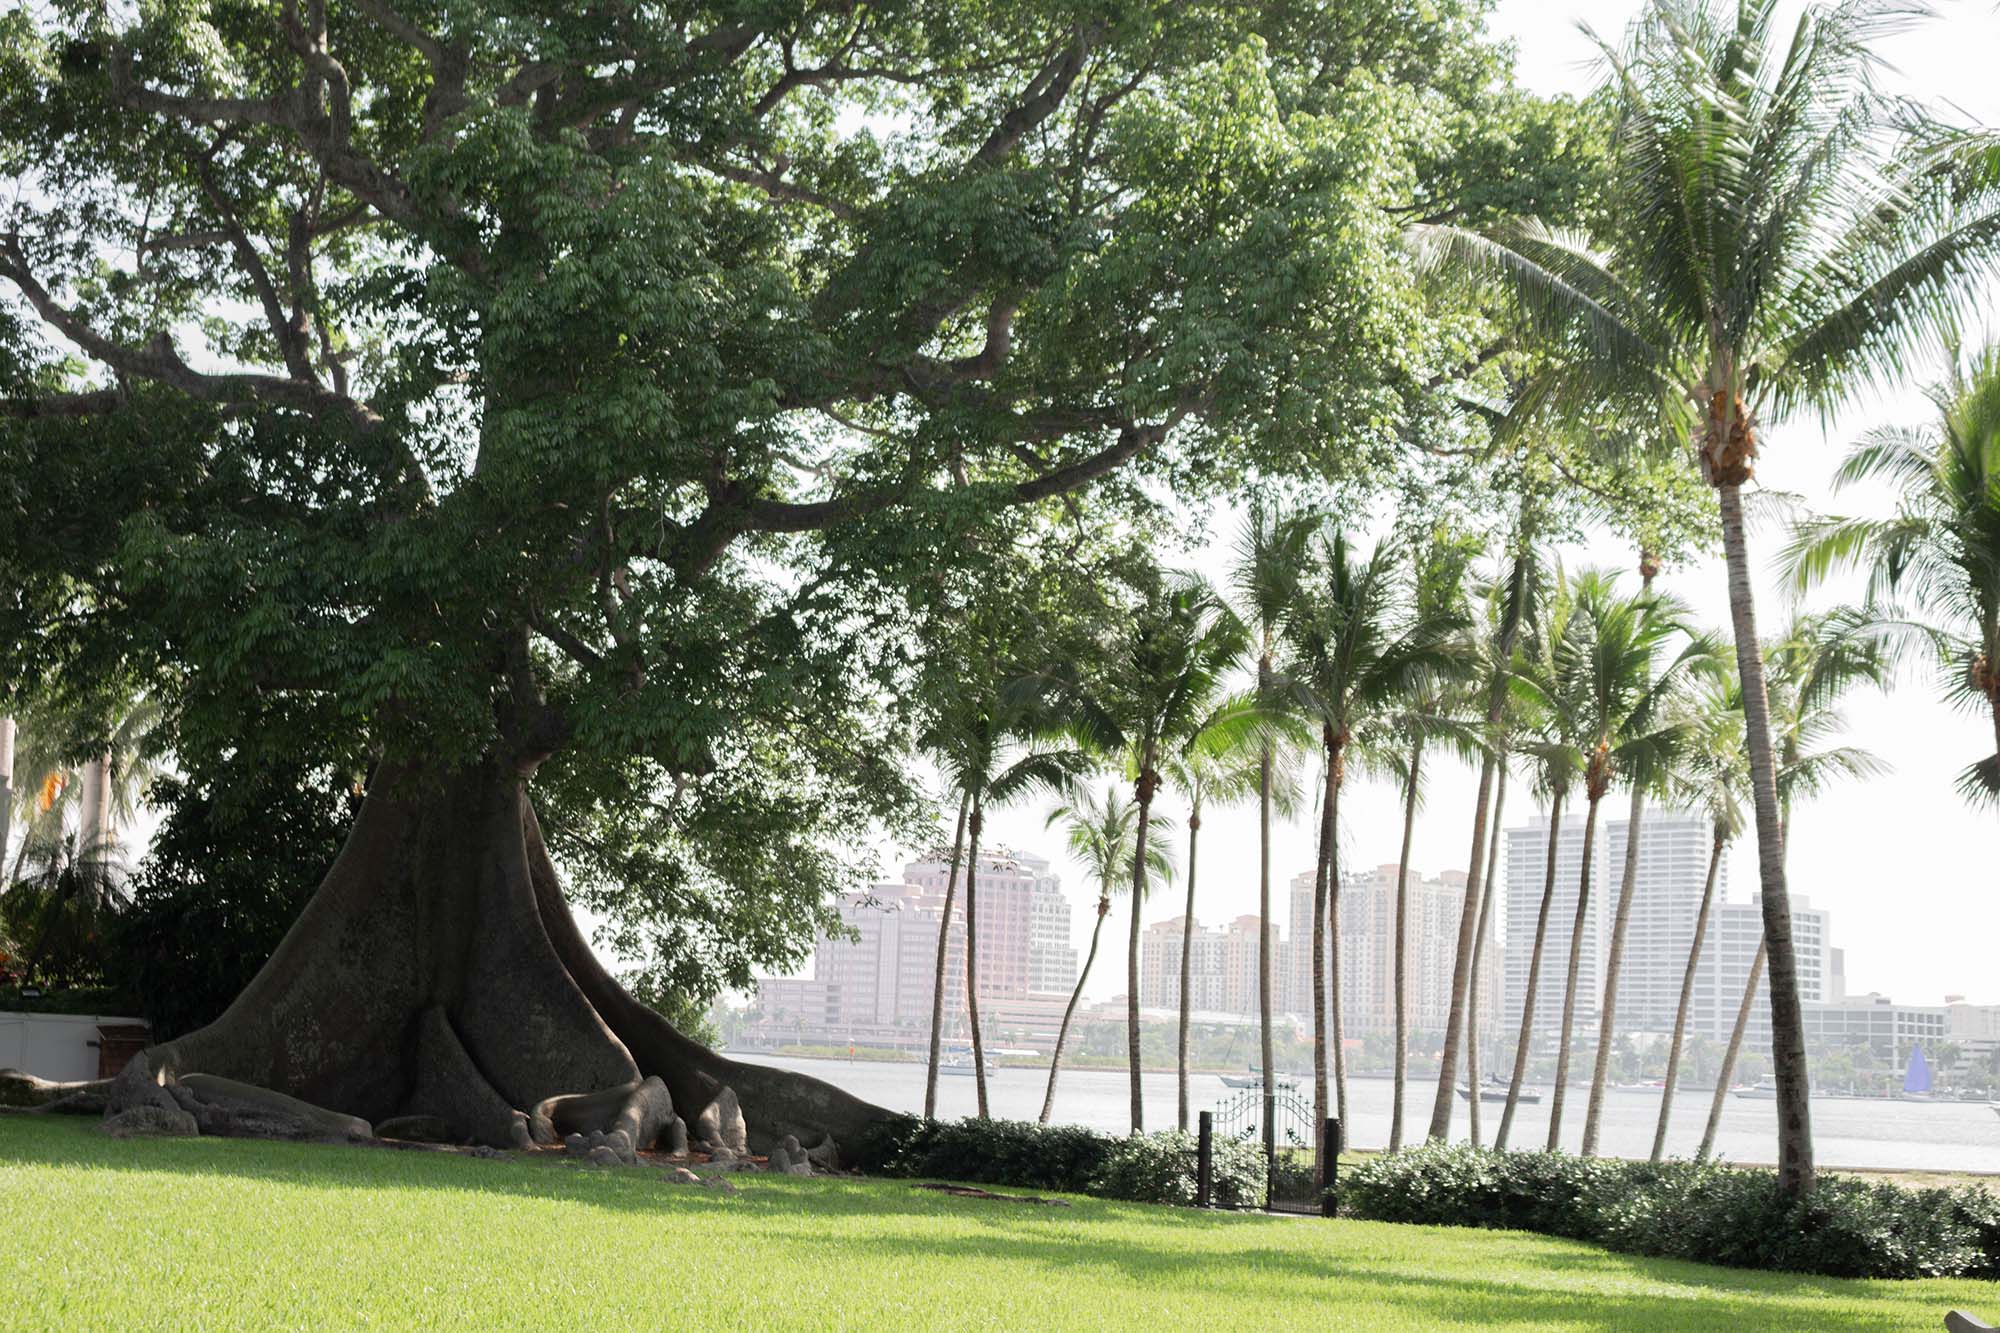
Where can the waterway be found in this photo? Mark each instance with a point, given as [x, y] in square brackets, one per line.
[1896, 1135]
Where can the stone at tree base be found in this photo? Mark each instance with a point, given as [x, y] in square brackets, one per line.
[780, 1160]
[621, 1143]
[826, 1156]
[603, 1156]
[149, 1122]
[682, 1176]
[415, 1129]
[575, 1145]
[721, 1123]
[790, 1143]
[719, 1183]
[799, 1168]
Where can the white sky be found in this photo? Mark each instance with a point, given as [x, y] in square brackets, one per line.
[1906, 868]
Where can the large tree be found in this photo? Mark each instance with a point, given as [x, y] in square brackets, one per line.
[1764, 253]
[596, 402]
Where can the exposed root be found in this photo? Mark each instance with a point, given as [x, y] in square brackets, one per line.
[20, 1090]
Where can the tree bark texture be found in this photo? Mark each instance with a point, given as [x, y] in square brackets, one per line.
[1534, 979]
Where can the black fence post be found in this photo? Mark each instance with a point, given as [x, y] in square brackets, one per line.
[1204, 1162]
[1330, 1137]
[1270, 1145]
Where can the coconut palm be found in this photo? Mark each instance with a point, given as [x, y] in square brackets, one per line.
[1815, 663]
[1608, 687]
[59, 904]
[1162, 685]
[1356, 650]
[1269, 552]
[938, 974]
[1939, 557]
[1099, 834]
[1507, 612]
[1770, 252]
[1715, 779]
[96, 798]
[998, 739]
[1433, 712]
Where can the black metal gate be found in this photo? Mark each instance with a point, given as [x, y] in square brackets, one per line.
[1282, 1121]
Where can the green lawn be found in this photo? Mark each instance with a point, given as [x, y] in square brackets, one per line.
[214, 1233]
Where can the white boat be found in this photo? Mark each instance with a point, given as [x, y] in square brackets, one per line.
[962, 1065]
[1255, 1081]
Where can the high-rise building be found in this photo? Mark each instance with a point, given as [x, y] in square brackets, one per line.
[1432, 911]
[1222, 967]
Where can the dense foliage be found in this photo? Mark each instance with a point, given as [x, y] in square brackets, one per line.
[1847, 1227]
[1147, 1168]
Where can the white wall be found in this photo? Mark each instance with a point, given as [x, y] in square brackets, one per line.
[53, 1046]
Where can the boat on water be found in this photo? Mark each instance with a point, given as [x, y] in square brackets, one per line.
[1762, 1092]
[1256, 1080]
[1917, 1076]
[1495, 1090]
[960, 1064]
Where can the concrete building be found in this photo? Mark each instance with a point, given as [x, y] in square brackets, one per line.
[1433, 907]
[1222, 969]
[1891, 1029]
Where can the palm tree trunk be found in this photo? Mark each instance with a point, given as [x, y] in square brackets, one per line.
[1319, 955]
[1403, 946]
[1687, 994]
[1534, 978]
[1069, 1010]
[1148, 781]
[1614, 959]
[944, 936]
[1336, 1024]
[1265, 763]
[1569, 985]
[1468, 924]
[1729, 1054]
[6, 784]
[95, 825]
[1788, 1037]
[1479, 951]
[1187, 969]
[972, 951]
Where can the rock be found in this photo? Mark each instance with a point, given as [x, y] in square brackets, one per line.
[524, 1133]
[780, 1160]
[415, 1129]
[719, 1152]
[722, 1183]
[682, 1176]
[487, 1154]
[618, 1141]
[799, 1168]
[790, 1143]
[574, 1145]
[674, 1138]
[603, 1156]
[150, 1122]
[721, 1122]
[825, 1156]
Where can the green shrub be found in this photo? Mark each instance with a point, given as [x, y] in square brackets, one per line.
[1684, 1210]
[1155, 1168]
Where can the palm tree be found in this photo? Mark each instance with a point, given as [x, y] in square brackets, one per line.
[1608, 687]
[1941, 552]
[1714, 779]
[1815, 663]
[998, 739]
[1099, 834]
[1512, 608]
[1356, 650]
[937, 976]
[57, 908]
[1472, 1071]
[1770, 253]
[1431, 712]
[1162, 686]
[1219, 765]
[1270, 549]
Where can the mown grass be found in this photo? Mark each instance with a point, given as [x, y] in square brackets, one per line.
[96, 1233]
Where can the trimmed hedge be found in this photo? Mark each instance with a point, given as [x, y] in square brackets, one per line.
[1684, 1210]
[1151, 1168]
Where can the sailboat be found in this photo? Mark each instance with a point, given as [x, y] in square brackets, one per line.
[1917, 1078]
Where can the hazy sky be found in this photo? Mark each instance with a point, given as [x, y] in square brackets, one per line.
[1908, 871]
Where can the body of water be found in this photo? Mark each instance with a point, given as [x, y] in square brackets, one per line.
[1897, 1135]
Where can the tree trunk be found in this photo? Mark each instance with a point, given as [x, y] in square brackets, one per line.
[972, 952]
[1148, 783]
[1556, 1097]
[1187, 969]
[1788, 1038]
[937, 977]
[1687, 994]
[95, 821]
[1266, 1000]
[1729, 1054]
[1534, 978]
[1468, 925]
[1069, 1010]
[1403, 946]
[1326, 815]
[6, 785]
[1614, 959]
[1472, 1079]
[438, 971]
[1336, 1024]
